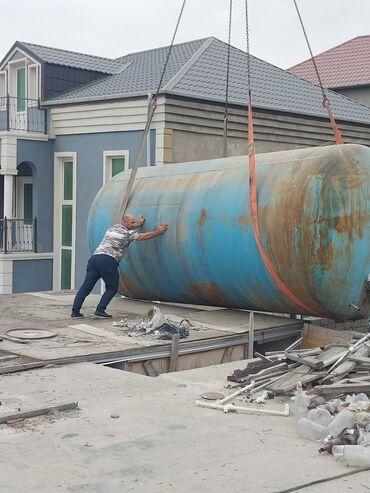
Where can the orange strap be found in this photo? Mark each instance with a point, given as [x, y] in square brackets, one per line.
[254, 213]
[337, 134]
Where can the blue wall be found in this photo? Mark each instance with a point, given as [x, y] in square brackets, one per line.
[40, 157]
[32, 275]
[90, 148]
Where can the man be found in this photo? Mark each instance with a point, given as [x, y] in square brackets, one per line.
[106, 259]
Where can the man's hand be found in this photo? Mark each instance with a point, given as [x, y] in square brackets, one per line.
[140, 221]
[162, 228]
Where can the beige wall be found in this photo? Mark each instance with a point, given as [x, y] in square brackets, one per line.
[197, 131]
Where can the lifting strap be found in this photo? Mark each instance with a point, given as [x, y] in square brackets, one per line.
[253, 198]
[152, 108]
[325, 100]
[226, 115]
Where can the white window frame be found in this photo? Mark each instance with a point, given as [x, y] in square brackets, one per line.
[59, 159]
[3, 81]
[33, 84]
[107, 162]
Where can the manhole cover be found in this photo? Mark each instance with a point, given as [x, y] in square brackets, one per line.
[212, 396]
[30, 333]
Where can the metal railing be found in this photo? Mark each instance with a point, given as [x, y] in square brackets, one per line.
[18, 235]
[22, 114]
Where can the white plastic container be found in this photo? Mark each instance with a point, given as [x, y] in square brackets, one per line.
[311, 430]
[344, 419]
[320, 416]
[301, 403]
[352, 455]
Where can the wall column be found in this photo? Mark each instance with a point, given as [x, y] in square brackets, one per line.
[8, 168]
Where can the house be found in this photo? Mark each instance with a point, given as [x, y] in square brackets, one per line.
[69, 122]
[344, 69]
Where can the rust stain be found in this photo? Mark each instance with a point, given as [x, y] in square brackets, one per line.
[209, 293]
[244, 219]
[128, 287]
[203, 217]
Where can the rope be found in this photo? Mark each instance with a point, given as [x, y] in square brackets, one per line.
[325, 100]
[153, 107]
[226, 116]
[253, 197]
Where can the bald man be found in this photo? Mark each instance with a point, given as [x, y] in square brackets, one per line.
[106, 259]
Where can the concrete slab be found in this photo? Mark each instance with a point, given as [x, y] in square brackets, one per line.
[159, 443]
[52, 310]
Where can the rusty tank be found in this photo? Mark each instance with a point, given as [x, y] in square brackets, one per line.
[314, 217]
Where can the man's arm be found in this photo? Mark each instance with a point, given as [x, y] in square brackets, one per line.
[153, 234]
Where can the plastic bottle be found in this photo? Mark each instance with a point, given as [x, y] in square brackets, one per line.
[364, 438]
[352, 455]
[344, 419]
[320, 415]
[311, 430]
[360, 397]
[301, 402]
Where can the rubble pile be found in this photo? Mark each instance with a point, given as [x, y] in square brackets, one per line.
[155, 325]
[331, 385]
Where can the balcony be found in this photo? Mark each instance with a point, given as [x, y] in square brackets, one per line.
[18, 235]
[22, 114]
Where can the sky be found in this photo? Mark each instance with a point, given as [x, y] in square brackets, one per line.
[112, 28]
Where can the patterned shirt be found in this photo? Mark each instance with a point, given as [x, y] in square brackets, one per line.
[116, 241]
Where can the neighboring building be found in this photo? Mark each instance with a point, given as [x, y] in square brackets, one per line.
[344, 69]
[69, 122]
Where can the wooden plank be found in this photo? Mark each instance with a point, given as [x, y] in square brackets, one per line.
[38, 412]
[316, 336]
[150, 369]
[290, 380]
[316, 365]
[23, 367]
[226, 357]
[334, 390]
[359, 359]
[89, 329]
[347, 366]
[174, 356]
[262, 357]
[325, 358]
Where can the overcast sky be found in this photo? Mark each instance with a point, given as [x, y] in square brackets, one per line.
[113, 28]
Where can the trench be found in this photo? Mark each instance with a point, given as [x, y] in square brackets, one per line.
[190, 355]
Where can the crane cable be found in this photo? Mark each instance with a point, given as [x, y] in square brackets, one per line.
[325, 100]
[153, 107]
[226, 115]
[253, 196]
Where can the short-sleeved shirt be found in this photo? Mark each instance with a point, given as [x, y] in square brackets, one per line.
[116, 241]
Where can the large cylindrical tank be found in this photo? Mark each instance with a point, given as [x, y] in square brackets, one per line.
[314, 216]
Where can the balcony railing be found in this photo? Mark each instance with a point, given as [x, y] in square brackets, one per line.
[22, 114]
[18, 235]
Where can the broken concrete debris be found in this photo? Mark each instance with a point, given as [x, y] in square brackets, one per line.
[331, 384]
[157, 326]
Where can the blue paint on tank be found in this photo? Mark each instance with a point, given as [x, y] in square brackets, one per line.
[314, 216]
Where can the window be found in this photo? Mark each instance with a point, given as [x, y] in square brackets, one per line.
[67, 225]
[65, 219]
[114, 162]
[21, 89]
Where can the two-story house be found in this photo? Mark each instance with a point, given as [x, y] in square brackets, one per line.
[69, 122]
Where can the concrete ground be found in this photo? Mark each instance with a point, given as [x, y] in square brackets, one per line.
[158, 442]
